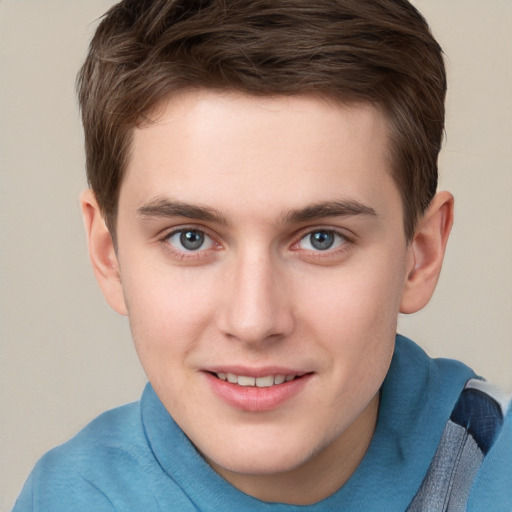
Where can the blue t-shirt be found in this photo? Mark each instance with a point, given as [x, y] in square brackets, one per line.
[136, 458]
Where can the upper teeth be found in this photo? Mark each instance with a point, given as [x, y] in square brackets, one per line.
[260, 382]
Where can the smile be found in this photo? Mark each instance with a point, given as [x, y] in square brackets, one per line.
[260, 393]
[260, 382]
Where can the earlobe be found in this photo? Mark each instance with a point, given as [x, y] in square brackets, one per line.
[102, 252]
[426, 253]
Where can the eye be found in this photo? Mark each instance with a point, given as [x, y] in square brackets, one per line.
[321, 240]
[189, 240]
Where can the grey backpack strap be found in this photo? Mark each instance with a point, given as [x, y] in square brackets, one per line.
[474, 425]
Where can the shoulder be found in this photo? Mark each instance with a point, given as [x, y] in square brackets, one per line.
[472, 467]
[109, 466]
[114, 433]
[493, 485]
[80, 473]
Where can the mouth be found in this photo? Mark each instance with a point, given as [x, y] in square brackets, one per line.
[261, 393]
[259, 382]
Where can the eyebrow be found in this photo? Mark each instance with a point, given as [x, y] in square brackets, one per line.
[167, 209]
[322, 210]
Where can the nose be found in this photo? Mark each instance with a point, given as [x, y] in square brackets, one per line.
[257, 307]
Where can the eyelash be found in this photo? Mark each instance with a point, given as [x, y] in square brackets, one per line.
[341, 245]
[324, 232]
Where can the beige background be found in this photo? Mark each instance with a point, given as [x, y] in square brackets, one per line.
[65, 356]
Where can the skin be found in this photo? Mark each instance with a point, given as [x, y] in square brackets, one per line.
[246, 172]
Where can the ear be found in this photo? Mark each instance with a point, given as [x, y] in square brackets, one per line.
[102, 253]
[426, 253]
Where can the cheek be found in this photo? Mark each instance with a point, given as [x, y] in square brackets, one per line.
[356, 318]
[359, 299]
[168, 318]
[168, 310]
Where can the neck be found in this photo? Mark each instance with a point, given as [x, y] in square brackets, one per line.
[321, 475]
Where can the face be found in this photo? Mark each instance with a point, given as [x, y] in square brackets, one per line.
[262, 259]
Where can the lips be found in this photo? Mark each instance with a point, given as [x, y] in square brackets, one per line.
[257, 391]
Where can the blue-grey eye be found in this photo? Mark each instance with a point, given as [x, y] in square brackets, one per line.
[192, 240]
[189, 240]
[321, 240]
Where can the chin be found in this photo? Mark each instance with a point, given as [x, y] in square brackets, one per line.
[270, 458]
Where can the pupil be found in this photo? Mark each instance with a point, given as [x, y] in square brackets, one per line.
[192, 240]
[321, 240]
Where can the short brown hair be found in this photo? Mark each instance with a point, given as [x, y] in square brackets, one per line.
[377, 51]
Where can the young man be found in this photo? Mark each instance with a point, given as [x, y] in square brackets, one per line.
[262, 206]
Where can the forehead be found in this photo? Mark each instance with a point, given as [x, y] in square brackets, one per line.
[233, 149]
